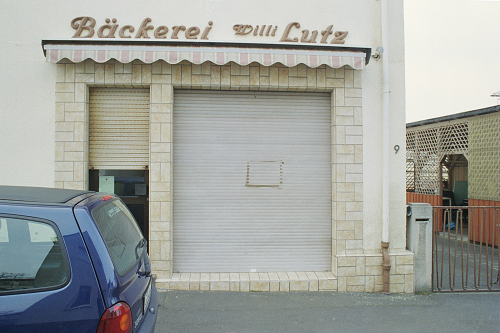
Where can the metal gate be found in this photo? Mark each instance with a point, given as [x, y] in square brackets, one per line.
[465, 248]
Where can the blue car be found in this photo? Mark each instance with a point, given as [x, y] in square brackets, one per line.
[72, 261]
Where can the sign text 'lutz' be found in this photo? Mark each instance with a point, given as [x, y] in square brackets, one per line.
[85, 27]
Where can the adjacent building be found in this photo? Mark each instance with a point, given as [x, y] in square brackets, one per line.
[455, 161]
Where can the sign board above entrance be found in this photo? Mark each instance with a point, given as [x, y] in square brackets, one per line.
[86, 27]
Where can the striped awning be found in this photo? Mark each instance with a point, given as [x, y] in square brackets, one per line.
[198, 53]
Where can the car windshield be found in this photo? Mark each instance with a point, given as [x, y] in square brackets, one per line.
[121, 234]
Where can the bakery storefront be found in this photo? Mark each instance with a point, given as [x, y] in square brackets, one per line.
[240, 148]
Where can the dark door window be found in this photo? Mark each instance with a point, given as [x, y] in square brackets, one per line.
[132, 186]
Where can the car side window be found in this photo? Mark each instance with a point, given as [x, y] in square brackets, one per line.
[32, 257]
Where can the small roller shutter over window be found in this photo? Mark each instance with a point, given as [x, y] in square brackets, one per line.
[119, 128]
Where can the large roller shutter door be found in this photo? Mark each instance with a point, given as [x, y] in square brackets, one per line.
[119, 128]
[252, 181]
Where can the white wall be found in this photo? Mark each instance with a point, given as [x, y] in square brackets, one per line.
[27, 98]
[372, 139]
[27, 107]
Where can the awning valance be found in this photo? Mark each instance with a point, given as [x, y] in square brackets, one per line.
[198, 53]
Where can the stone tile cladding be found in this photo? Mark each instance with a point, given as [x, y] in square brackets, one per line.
[363, 273]
[356, 271]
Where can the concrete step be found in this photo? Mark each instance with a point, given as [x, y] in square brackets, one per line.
[268, 281]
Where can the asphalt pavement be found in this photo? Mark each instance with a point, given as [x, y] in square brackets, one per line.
[215, 311]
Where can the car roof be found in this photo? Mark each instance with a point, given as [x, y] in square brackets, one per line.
[44, 195]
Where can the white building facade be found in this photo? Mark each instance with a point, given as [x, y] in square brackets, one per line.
[255, 136]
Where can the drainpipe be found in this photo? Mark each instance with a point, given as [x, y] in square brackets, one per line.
[386, 263]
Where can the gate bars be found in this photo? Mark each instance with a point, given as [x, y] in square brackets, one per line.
[465, 248]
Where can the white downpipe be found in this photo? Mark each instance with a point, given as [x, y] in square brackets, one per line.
[386, 127]
[386, 262]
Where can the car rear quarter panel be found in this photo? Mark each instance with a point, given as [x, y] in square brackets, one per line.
[115, 288]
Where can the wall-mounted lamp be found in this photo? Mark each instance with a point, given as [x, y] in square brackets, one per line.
[378, 53]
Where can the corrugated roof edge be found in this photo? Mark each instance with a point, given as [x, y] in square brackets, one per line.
[39, 194]
[455, 116]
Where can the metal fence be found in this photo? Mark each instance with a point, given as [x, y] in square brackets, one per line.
[465, 248]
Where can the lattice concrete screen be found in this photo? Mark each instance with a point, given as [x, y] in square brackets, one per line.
[484, 157]
[426, 146]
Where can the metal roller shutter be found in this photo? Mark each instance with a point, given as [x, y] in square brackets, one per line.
[252, 181]
[119, 128]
